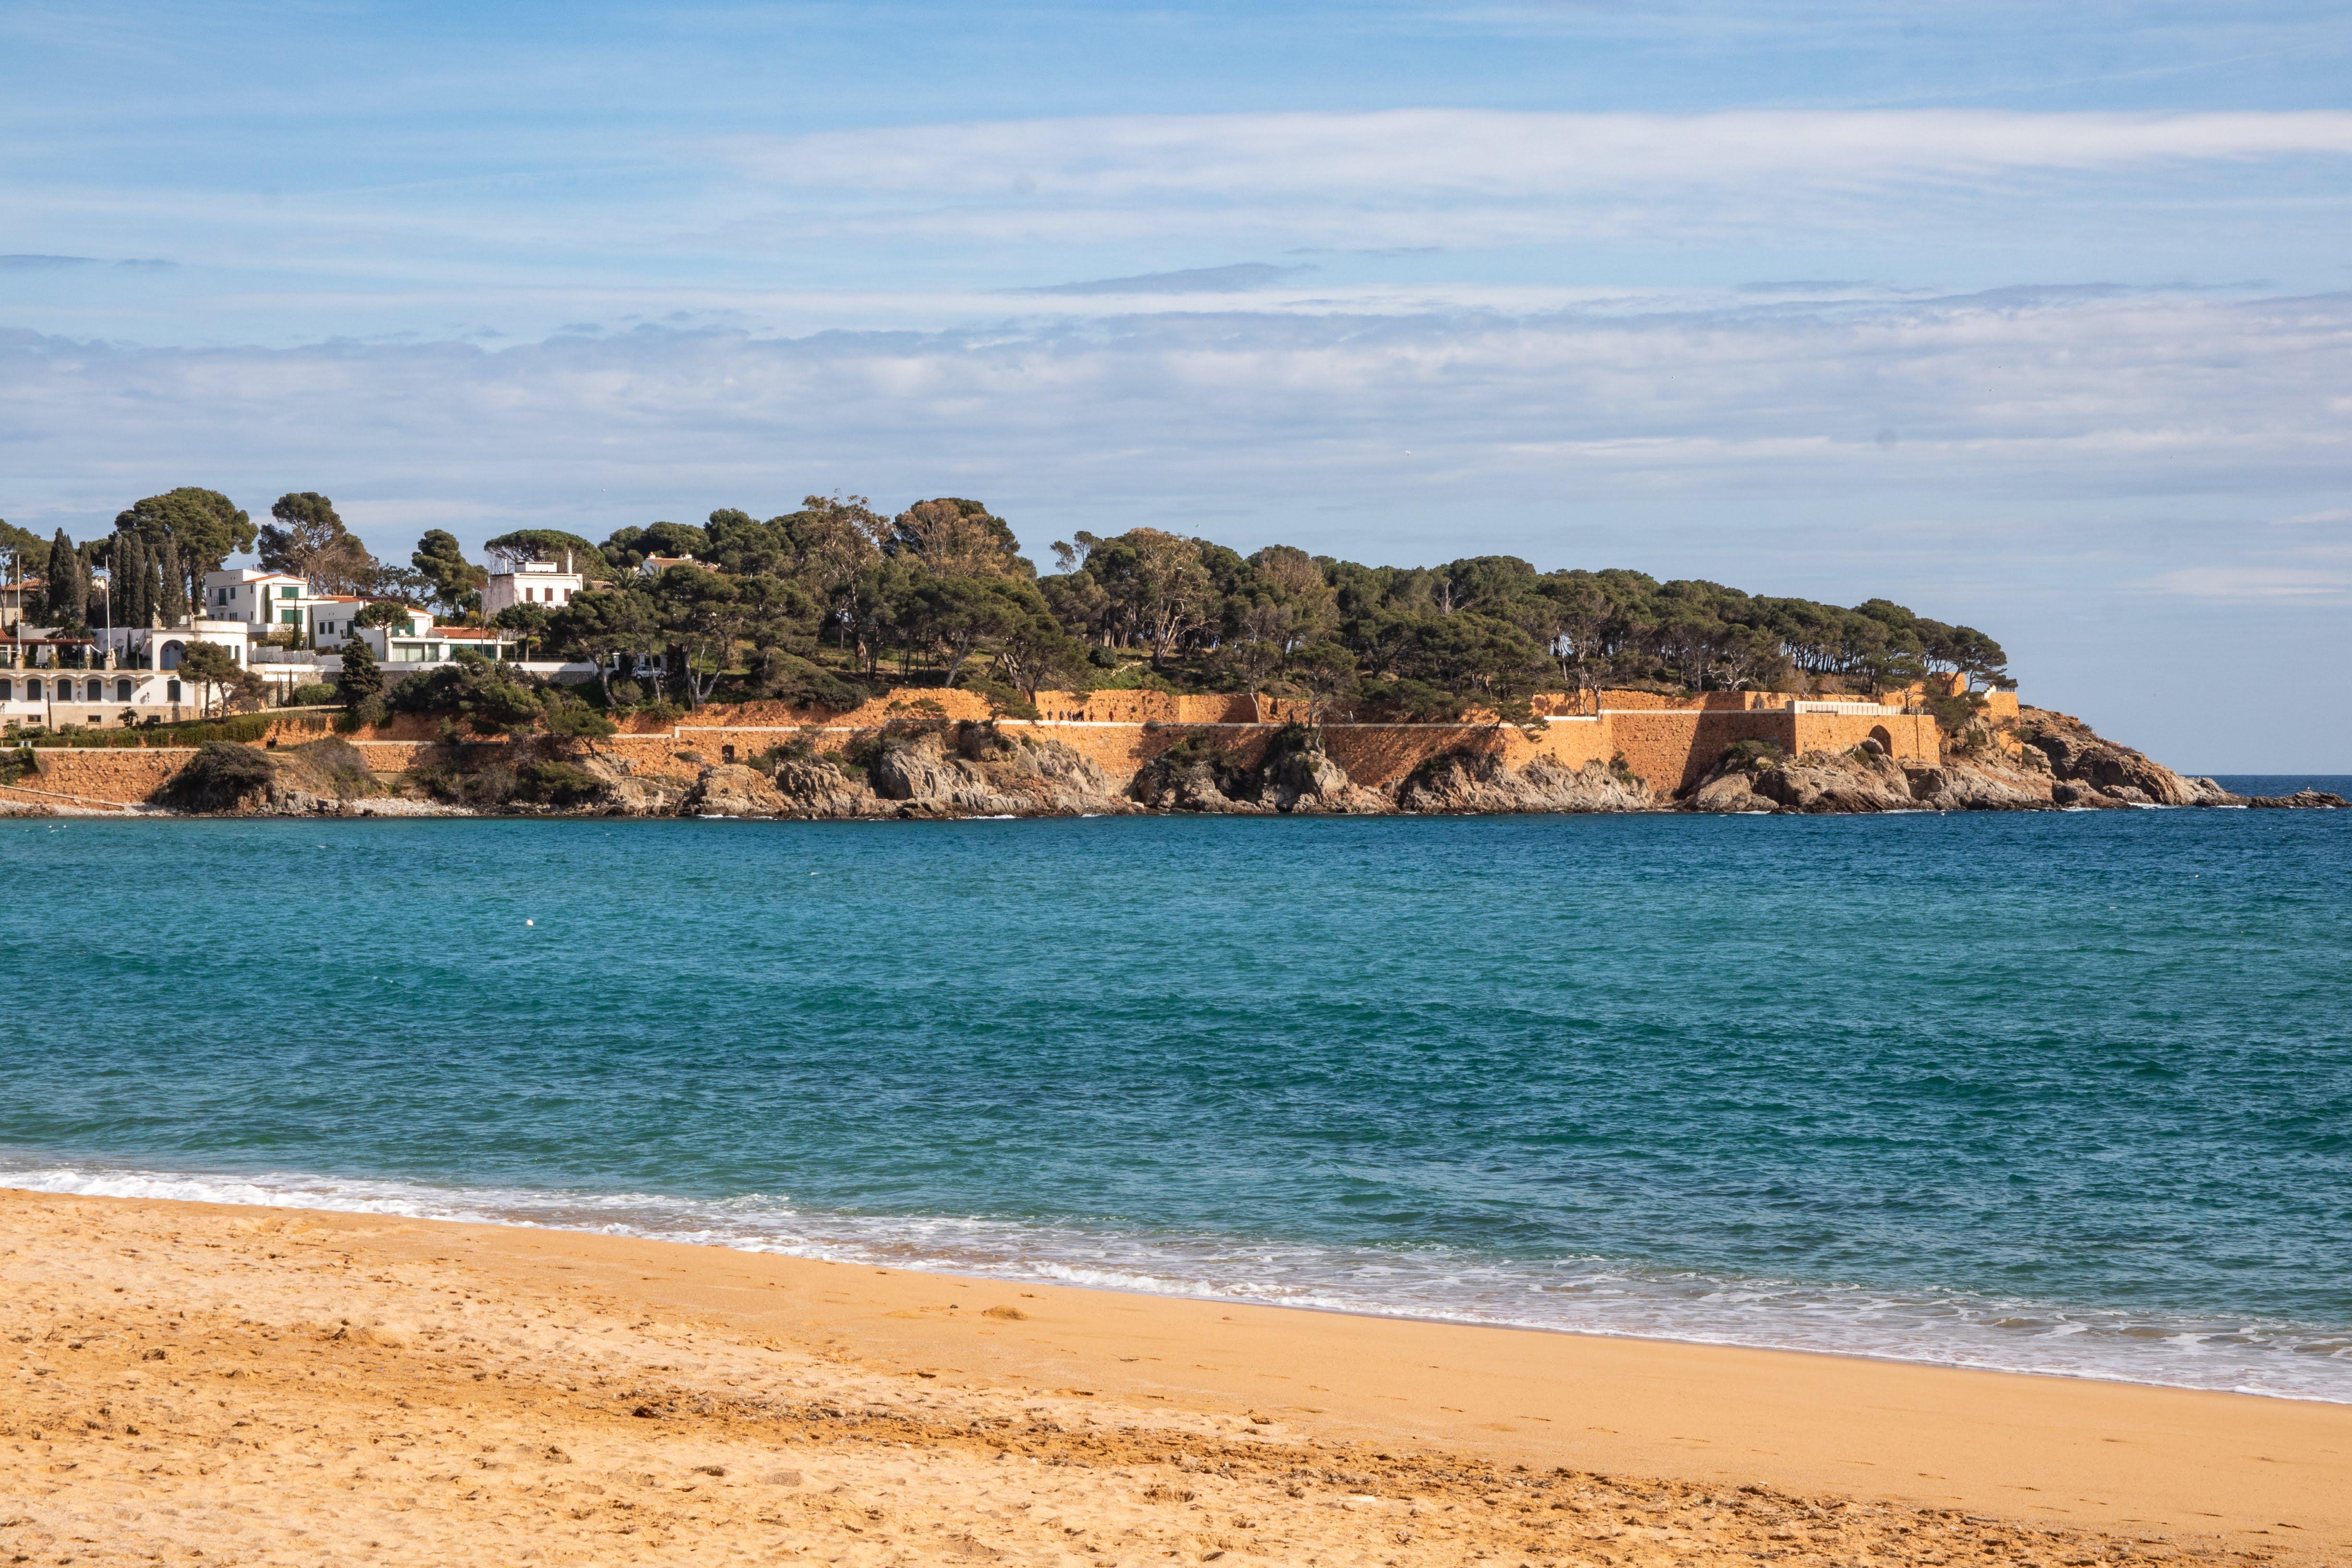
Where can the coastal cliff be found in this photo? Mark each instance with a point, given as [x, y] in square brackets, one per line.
[1699, 755]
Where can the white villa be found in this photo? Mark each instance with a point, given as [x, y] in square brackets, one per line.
[129, 675]
[529, 581]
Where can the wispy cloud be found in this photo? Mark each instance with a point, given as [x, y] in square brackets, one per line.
[1237, 278]
[2006, 404]
[1441, 153]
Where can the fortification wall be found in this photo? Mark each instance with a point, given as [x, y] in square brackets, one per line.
[1672, 750]
[123, 777]
[1670, 744]
[1908, 737]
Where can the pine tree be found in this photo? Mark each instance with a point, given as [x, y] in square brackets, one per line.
[173, 604]
[68, 595]
[361, 678]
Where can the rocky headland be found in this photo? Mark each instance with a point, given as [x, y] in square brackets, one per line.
[2038, 761]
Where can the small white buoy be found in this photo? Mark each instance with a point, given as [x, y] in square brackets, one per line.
[531, 922]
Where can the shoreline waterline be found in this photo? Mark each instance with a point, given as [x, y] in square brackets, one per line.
[601, 1391]
[894, 1242]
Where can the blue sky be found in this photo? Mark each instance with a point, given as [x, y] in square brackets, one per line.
[2032, 317]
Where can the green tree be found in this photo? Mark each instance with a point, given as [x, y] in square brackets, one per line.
[605, 628]
[454, 582]
[361, 680]
[308, 538]
[172, 585]
[528, 622]
[211, 667]
[568, 718]
[705, 614]
[958, 538]
[1327, 671]
[491, 698]
[1159, 586]
[28, 547]
[67, 594]
[134, 575]
[390, 615]
[205, 527]
[956, 615]
[554, 544]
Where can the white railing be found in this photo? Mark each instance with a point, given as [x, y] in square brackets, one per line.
[1875, 709]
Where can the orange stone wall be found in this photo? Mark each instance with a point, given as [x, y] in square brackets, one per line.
[1669, 743]
[1910, 737]
[123, 777]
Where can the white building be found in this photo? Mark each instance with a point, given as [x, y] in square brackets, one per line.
[127, 675]
[261, 598]
[530, 582]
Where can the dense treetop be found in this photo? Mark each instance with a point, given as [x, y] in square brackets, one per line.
[826, 602]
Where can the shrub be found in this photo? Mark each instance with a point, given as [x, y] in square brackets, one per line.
[218, 776]
[558, 783]
[1740, 756]
[787, 678]
[1004, 701]
[313, 694]
[1956, 714]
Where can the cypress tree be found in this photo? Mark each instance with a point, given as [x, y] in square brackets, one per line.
[150, 583]
[68, 595]
[132, 573]
[94, 595]
[173, 604]
[361, 677]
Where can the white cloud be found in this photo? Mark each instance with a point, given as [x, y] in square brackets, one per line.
[1433, 154]
[1995, 402]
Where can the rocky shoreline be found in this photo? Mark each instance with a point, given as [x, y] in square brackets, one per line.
[2039, 761]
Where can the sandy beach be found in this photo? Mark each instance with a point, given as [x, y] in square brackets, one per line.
[197, 1383]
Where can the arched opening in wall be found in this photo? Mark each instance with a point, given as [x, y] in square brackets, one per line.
[725, 753]
[172, 652]
[1885, 741]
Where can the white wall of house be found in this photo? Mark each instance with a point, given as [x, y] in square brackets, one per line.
[531, 583]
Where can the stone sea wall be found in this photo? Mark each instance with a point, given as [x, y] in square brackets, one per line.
[1669, 743]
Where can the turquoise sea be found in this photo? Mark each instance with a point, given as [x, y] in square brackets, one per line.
[2070, 1092]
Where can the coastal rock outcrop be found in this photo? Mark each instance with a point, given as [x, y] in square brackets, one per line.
[731, 789]
[1467, 781]
[1294, 775]
[1985, 782]
[2301, 800]
[2102, 771]
[326, 778]
[963, 770]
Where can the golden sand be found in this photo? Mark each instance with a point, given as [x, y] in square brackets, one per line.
[197, 1384]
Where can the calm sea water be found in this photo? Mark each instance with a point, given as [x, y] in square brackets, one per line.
[2066, 1093]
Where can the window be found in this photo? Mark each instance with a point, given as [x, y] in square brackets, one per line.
[290, 593]
[7, 690]
[33, 690]
[122, 689]
[289, 618]
[171, 692]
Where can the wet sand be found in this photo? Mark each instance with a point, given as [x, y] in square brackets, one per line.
[203, 1384]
